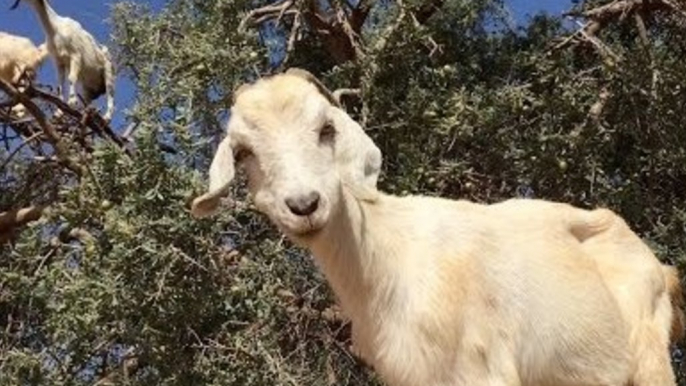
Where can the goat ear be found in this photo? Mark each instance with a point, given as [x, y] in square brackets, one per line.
[357, 157]
[222, 172]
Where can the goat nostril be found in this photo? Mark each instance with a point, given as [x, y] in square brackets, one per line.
[304, 205]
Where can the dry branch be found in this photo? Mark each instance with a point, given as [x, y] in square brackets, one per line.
[60, 144]
[17, 218]
[340, 93]
[338, 25]
[359, 14]
[89, 118]
[618, 10]
[266, 13]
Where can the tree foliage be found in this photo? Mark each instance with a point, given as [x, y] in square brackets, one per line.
[110, 282]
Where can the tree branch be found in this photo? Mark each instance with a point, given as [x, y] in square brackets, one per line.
[619, 10]
[359, 14]
[10, 221]
[92, 121]
[338, 29]
[60, 147]
[340, 93]
[266, 13]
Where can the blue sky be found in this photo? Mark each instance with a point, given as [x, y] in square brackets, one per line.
[92, 14]
[524, 8]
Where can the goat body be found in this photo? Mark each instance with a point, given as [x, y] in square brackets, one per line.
[442, 292]
[18, 55]
[78, 57]
[519, 293]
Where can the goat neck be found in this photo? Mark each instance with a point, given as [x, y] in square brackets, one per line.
[47, 16]
[357, 257]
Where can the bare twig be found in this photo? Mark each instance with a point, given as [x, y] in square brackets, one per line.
[340, 93]
[130, 130]
[617, 11]
[18, 149]
[268, 12]
[605, 51]
[295, 31]
[92, 121]
[359, 14]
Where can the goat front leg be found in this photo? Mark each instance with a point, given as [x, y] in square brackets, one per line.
[74, 71]
[61, 75]
[61, 71]
[109, 84]
[17, 74]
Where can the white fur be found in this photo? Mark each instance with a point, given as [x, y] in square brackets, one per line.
[450, 293]
[78, 57]
[18, 56]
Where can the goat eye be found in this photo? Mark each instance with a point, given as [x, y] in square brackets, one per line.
[241, 153]
[327, 133]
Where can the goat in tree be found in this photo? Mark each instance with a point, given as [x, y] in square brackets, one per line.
[442, 292]
[78, 57]
[19, 57]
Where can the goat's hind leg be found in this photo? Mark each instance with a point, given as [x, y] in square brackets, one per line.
[654, 367]
[74, 70]
[652, 360]
[61, 70]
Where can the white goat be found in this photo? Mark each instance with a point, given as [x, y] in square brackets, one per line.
[441, 292]
[77, 56]
[19, 57]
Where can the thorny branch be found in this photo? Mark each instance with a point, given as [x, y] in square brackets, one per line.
[269, 12]
[52, 136]
[340, 93]
[61, 140]
[618, 11]
[338, 25]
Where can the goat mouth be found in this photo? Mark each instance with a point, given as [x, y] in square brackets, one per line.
[305, 229]
[306, 235]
